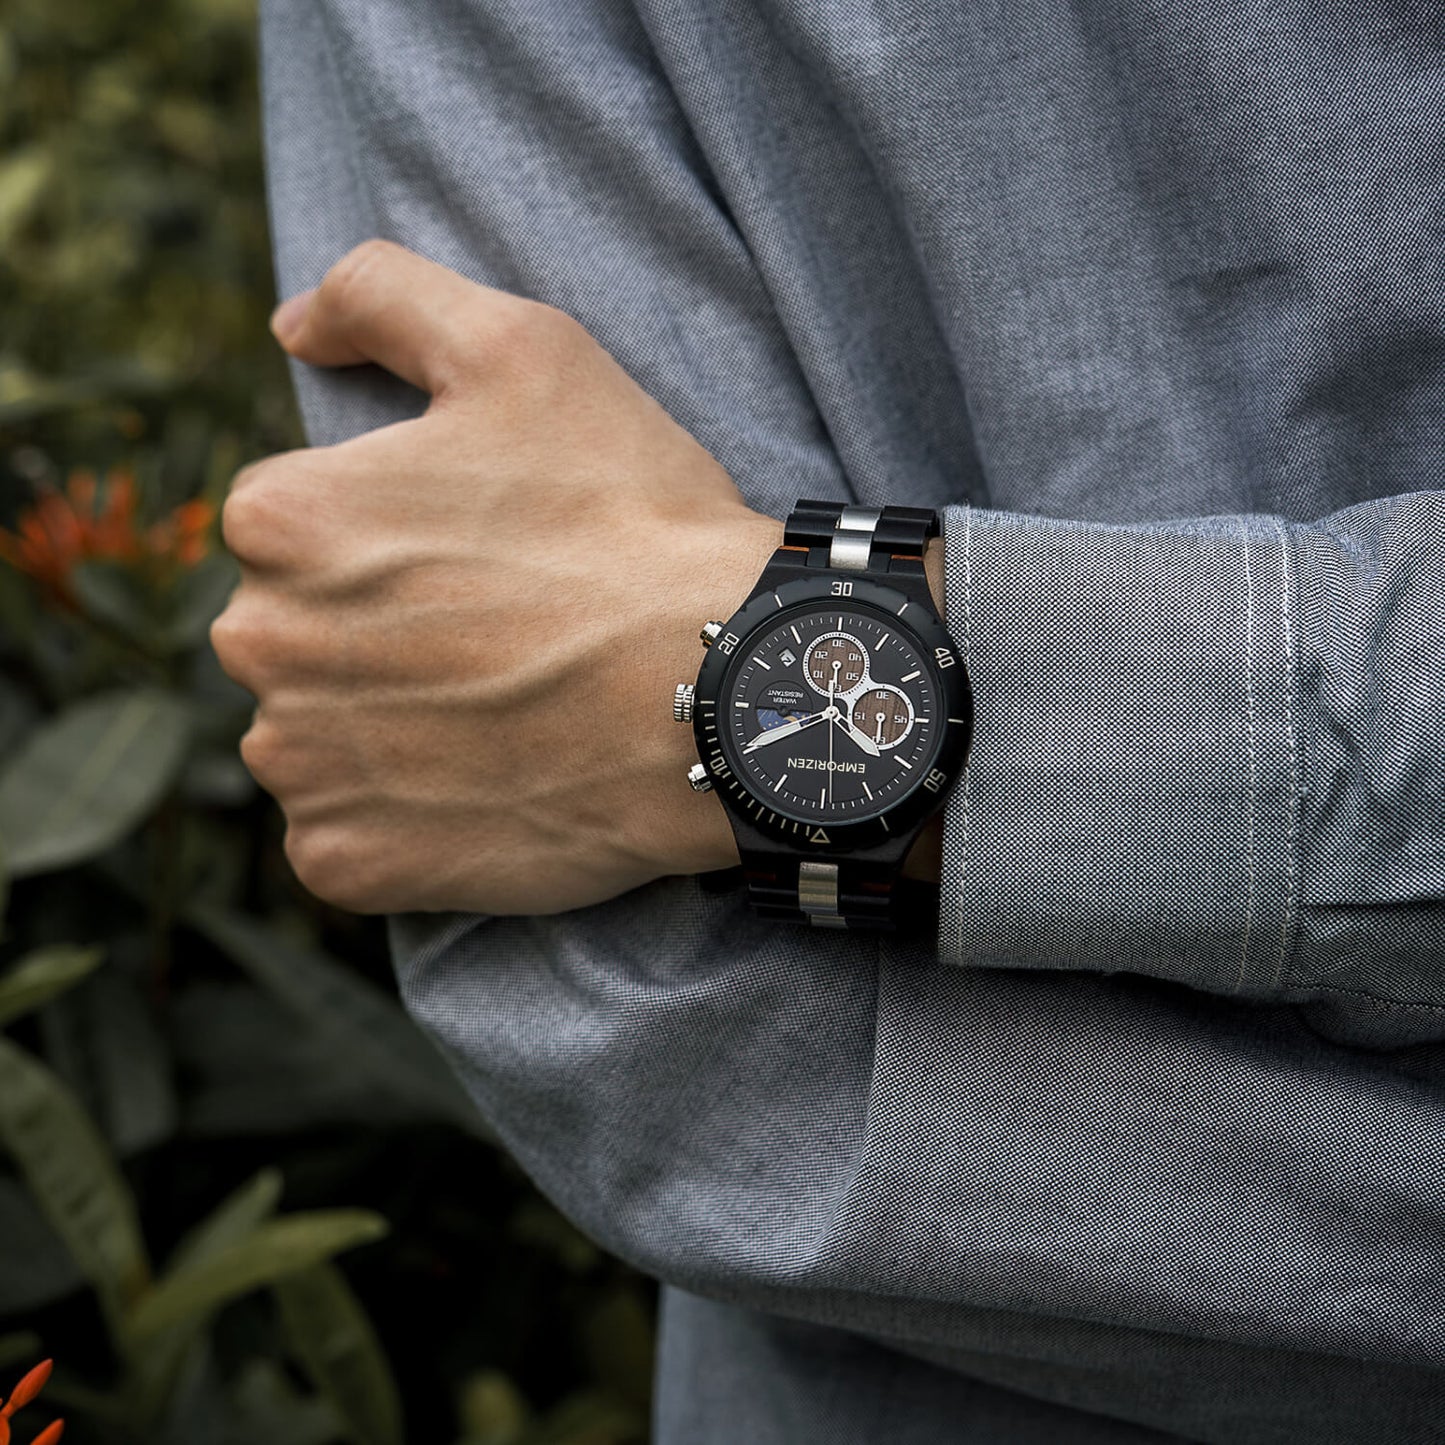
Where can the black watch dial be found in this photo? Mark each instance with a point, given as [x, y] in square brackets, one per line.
[831, 713]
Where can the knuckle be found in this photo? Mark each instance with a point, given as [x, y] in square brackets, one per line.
[245, 649]
[253, 513]
[347, 277]
[546, 320]
[531, 349]
[272, 521]
[229, 636]
[261, 751]
[553, 332]
[520, 328]
[222, 633]
[247, 475]
[335, 866]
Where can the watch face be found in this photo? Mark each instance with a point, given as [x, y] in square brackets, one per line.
[831, 714]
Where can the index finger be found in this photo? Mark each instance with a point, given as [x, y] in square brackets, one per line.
[382, 303]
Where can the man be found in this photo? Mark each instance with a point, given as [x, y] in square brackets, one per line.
[1161, 1160]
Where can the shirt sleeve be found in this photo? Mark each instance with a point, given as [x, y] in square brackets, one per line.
[1206, 750]
[1045, 1170]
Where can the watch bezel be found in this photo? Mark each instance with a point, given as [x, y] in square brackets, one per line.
[906, 813]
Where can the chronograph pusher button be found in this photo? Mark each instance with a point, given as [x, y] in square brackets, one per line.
[698, 779]
[710, 633]
[682, 699]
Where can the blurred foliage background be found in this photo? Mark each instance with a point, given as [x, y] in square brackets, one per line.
[241, 1199]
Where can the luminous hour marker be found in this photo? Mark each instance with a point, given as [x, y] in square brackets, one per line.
[740, 703]
[882, 639]
[780, 782]
[796, 638]
[910, 677]
[955, 719]
[822, 797]
[901, 760]
[767, 667]
[866, 788]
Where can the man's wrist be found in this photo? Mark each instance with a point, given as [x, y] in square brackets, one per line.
[718, 566]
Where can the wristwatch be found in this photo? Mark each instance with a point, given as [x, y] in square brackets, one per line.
[832, 712]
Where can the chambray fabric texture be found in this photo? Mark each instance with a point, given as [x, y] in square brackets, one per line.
[1150, 300]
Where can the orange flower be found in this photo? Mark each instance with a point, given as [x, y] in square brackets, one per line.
[66, 527]
[27, 1389]
[21, 1396]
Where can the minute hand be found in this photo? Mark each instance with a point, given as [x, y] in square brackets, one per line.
[857, 734]
[773, 735]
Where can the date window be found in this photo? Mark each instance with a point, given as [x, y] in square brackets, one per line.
[788, 656]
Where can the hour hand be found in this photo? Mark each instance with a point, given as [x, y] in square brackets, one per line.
[857, 734]
[772, 735]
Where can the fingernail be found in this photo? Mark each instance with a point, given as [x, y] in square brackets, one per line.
[287, 316]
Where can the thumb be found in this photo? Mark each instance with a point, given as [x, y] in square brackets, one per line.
[385, 304]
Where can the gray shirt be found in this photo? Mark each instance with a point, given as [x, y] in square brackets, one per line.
[1150, 300]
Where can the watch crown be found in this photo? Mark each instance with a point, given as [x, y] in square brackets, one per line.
[697, 777]
[682, 702]
[710, 633]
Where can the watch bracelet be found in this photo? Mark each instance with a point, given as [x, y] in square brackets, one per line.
[898, 534]
[868, 894]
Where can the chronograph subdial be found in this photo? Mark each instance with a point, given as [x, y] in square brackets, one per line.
[883, 714]
[836, 662]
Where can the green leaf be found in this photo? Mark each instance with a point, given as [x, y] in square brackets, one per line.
[40, 976]
[271, 1252]
[588, 1417]
[190, 1399]
[238, 1216]
[38, 1269]
[18, 608]
[492, 1410]
[44, 974]
[73, 1178]
[333, 1339]
[128, 1071]
[157, 1373]
[266, 1406]
[89, 776]
[113, 595]
[23, 177]
[18, 713]
[360, 1023]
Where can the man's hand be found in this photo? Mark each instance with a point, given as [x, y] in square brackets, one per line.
[463, 631]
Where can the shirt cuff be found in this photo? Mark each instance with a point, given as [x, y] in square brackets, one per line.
[1131, 798]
